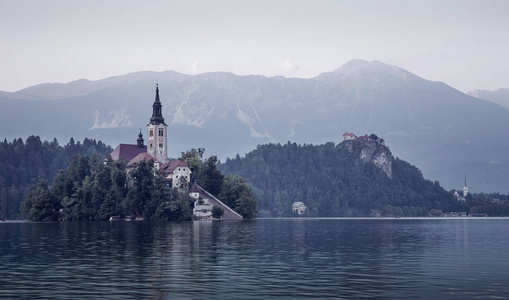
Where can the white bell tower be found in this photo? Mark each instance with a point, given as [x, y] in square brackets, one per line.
[157, 132]
[465, 187]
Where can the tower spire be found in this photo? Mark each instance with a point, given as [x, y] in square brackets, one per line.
[465, 187]
[140, 140]
[157, 115]
[157, 132]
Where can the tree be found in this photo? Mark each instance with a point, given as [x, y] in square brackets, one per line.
[193, 159]
[40, 205]
[237, 194]
[333, 180]
[176, 209]
[212, 179]
[217, 212]
[139, 195]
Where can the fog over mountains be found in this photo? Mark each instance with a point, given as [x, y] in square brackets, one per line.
[444, 132]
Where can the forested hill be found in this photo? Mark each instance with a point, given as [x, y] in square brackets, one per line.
[353, 178]
[24, 163]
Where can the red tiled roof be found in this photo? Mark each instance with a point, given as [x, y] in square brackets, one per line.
[349, 134]
[140, 157]
[194, 189]
[127, 152]
[172, 165]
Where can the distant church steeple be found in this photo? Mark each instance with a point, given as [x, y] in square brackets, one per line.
[157, 114]
[140, 140]
[157, 132]
[465, 187]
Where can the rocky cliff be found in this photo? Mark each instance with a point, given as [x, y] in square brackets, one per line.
[368, 149]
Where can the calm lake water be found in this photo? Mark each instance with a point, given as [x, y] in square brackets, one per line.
[262, 259]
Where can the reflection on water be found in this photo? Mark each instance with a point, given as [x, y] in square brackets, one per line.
[263, 259]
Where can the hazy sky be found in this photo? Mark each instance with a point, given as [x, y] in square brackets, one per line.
[462, 43]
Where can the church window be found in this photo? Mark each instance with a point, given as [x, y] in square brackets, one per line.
[160, 145]
[150, 145]
[151, 132]
[161, 132]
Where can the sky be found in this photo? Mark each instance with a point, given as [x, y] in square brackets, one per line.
[462, 43]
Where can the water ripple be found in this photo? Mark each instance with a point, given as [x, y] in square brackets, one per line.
[264, 259]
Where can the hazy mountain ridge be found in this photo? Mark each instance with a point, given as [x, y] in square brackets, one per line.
[426, 123]
[500, 96]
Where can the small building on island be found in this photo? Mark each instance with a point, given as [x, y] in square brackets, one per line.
[205, 202]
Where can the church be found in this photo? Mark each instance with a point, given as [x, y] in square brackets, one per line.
[156, 149]
[175, 171]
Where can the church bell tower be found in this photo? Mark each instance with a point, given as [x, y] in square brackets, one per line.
[157, 132]
[465, 187]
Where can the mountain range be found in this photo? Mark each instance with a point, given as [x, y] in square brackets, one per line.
[447, 134]
[500, 96]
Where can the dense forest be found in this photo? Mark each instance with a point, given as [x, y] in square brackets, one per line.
[72, 182]
[332, 181]
[91, 188]
[24, 163]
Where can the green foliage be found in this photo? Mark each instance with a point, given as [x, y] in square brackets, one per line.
[91, 188]
[211, 178]
[88, 190]
[178, 209]
[193, 159]
[332, 181]
[237, 194]
[492, 204]
[40, 205]
[25, 163]
[139, 197]
[217, 212]
[233, 191]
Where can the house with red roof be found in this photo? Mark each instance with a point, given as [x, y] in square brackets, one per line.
[176, 171]
[349, 136]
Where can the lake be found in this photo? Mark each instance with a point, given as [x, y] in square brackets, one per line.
[261, 259]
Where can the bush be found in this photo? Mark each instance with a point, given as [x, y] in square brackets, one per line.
[217, 212]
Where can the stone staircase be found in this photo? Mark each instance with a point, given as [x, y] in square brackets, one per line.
[229, 214]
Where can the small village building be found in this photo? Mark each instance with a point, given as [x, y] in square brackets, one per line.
[194, 191]
[458, 197]
[205, 202]
[347, 136]
[202, 207]
[299, 207]
[176, 171]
